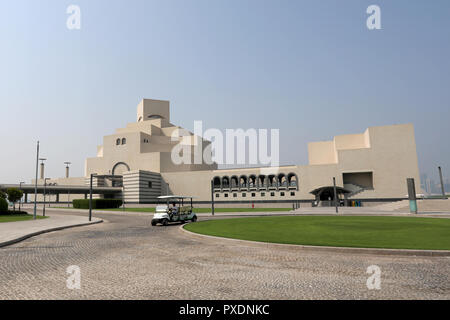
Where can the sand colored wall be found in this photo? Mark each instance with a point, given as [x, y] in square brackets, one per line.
[137, 187]
[391, 158]
[148, 107]
[322, 152]
[148, 144]
[351, 141]
[388, 152]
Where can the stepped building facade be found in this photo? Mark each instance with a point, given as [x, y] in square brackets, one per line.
[373, 165]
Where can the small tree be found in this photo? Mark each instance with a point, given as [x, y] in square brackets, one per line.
[2, 195]
[3, 206]
[14, 195]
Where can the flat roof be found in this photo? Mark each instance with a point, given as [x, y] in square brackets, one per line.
[175, 197]
[75, 189]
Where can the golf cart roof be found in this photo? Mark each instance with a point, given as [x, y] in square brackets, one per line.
[175, 197]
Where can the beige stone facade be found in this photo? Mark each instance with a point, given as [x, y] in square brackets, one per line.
[370, 165]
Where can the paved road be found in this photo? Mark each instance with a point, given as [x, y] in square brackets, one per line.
[126, 258]
[12, 232]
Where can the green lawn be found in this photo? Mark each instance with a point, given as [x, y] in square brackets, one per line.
[18, 217]
[202, 210]
[344, 231]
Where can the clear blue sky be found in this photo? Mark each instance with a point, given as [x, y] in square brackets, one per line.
[310, 68]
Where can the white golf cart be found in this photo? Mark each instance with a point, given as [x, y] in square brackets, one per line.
[173, 210]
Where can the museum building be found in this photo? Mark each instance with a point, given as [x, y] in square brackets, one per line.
[372, 166]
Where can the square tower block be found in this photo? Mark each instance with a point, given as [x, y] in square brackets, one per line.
[149, 109]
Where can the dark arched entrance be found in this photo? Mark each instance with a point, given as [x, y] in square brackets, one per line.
[325, 195]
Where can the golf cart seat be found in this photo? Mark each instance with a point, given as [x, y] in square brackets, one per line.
[185, 210]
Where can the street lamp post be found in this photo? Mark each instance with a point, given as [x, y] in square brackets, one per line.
[212, 197]
[123, 196]
[335, 195]
[42, 167]
[20, 187]
[90, 196]
[35, 181]
[442, 183]
[42, 172]
[68, 198]
[67, 168]
[45, 190]
[67, 163]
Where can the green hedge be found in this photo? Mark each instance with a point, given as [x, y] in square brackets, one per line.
[3, 206]
[13, 213]
[97, 203]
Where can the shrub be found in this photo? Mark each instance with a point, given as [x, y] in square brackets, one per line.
[3, 206]
[14, 195]
[2, 195]
[97, 203]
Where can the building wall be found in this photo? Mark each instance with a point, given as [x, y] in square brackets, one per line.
[387, 152]
[137, 188]
[322, 152]
[391, 158]
[148, 144]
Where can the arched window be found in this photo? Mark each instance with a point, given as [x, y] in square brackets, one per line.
[117, 142]
[243, 182]
[293, 180]
[124, 141]
[252, 181]
[154, 116]
[234, 182]
[217, 182]
[119, 168]
[225, 182]
[273, 181]
[282, 180]
[262, 181]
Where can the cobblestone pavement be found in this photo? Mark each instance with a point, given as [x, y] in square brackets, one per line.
[126, 258]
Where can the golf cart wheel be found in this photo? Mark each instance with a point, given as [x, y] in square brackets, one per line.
[165, 222]
[153, 223]
[194, 218]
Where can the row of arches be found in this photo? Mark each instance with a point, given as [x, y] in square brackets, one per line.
[260, 182]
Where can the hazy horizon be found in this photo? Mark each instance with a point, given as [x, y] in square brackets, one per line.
[309, 68]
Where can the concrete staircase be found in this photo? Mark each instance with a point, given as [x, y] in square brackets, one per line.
[393, 206]
[430, 205]
[354, 188]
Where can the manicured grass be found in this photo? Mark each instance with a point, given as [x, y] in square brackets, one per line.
[201, 210]
[344, 231]
[18, 217]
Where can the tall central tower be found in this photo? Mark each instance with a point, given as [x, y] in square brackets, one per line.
[149, 109]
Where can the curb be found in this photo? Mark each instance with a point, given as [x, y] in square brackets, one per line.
[10, 242]
[373, 251]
